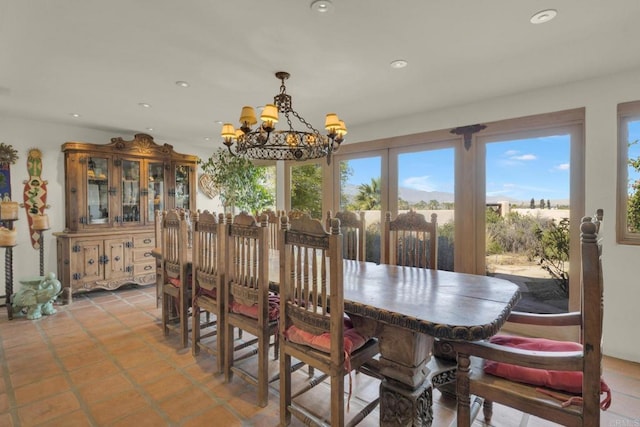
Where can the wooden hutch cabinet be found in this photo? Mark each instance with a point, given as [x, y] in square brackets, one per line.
[112, 191]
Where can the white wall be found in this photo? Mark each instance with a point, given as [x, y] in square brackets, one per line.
[600, 98]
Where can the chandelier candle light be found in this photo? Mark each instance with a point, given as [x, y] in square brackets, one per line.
[266, 143]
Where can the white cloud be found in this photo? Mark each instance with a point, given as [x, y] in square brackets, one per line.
[563, 167]
[525, 157]
[511, 153]
[419, 183]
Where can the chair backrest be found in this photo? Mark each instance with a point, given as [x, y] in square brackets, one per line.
[352, 226]
[208, 253]
[158, 215]
[247, 262]
[410, 240]
[273, 221]
[311, 280]
[592, 315]
[174, 247]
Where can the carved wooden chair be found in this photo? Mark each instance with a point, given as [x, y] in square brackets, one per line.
[207, 286]
[566, 384]
[158, 215]
[313, 328]
[175, 274]
[410, 240]
[295, 214]
[273, 221]
[249, 304]
[353, 230]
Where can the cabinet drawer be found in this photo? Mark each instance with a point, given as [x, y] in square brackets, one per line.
[144, 268]
[142, 255]
[144, 241]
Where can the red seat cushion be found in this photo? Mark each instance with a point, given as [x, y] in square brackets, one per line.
[252, 310]
[352, 339]
[569, 381]
[175, 281]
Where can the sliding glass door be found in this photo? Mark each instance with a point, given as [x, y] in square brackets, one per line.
[424, 181]
[533, 202]
[359, 189]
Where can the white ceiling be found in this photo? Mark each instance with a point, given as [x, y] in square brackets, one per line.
[100, 59]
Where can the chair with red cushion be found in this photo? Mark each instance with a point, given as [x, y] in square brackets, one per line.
[410, 240]
[273, 219]
[158, 214]
[175, 271]
[207, 285]
[555, 380]
[313, 327]
[249, 304]
[353, 228]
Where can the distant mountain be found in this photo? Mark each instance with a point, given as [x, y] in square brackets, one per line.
[414, 196]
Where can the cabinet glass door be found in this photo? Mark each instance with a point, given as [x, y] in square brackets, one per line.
[182, 190]
[155, 199]
[98, 190]
[130, 191]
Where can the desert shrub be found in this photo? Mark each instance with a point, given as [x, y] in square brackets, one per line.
[515, 233]
[445, 246]
[553, 251]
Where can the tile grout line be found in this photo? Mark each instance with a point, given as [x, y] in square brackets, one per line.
[73, 387]
[153, 403]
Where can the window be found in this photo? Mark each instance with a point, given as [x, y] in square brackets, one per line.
[628, 220]
[359, 190]
[439, 172]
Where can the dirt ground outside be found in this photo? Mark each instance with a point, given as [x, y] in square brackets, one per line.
[540, 293]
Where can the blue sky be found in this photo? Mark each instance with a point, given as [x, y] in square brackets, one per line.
[520, 169]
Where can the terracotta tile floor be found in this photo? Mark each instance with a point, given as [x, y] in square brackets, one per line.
[103, 361]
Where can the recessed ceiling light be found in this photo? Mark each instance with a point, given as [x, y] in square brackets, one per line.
[182, 83]
[543, 16]
[219, 122]
[321, 6]
[399, 63]
[75, 115]
[206, 138]
[149, 129]
[144, 104]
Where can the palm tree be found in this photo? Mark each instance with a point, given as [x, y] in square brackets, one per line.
[368, 197]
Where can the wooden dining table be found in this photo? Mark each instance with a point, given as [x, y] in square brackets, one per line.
[406, 309]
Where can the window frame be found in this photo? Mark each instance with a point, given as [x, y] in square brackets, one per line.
[628, 111]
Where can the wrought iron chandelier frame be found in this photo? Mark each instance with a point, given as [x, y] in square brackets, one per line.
[266, 143]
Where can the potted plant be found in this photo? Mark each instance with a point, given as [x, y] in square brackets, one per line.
[238, 182]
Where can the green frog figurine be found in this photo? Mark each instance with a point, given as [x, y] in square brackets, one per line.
[37, 295]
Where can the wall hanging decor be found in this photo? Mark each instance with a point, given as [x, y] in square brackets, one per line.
[8, 157]
[35, 195]
[208, 186]
[8, 214]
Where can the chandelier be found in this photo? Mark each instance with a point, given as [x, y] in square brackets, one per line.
[265, 142]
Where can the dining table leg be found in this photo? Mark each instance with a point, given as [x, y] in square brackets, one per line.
[405, 394]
